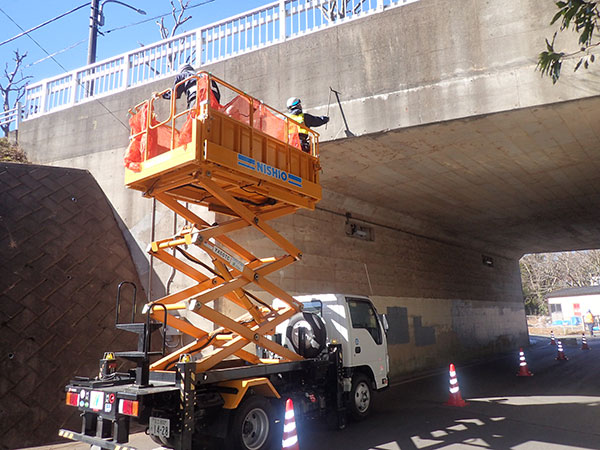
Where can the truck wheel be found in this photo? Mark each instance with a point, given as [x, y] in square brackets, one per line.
[163, 442]
[252, 425]
[361, 397]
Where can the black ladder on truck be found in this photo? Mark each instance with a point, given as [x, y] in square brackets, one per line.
[144, 330]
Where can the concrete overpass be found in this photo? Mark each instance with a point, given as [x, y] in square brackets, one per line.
[445, 142]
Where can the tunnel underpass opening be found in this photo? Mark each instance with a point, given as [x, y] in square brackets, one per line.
[570, 271]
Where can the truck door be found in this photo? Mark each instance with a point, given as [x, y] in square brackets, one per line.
[367, 339]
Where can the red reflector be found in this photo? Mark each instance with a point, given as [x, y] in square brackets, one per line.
[72, 399]
[128, 407]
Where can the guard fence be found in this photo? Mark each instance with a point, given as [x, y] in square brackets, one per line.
[253, 30]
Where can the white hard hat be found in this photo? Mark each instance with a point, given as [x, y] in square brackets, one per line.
[292, 102]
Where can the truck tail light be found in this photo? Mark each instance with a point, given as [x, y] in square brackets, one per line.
[72, 399]
[129, 407]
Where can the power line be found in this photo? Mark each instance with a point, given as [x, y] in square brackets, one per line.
[51, 56]
[157, 17]
[41, 24]
[62, 67]
[56, 53]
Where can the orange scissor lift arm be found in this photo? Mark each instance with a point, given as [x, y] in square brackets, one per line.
[243, 161]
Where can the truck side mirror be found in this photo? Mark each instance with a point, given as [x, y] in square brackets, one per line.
[384, 322]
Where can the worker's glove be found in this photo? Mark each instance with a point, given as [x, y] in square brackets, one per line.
[325, 119]
[167, 95]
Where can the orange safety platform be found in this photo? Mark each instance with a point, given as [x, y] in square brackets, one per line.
[241, 159]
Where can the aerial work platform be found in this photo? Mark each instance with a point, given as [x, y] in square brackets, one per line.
[241, 159]
[249, 148]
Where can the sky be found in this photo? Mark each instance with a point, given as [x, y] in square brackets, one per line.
[73, 29]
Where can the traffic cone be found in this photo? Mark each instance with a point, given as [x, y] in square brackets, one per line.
[523, 369]
[455, 398]
[552, 341]
[584, 344]
[560, 356]
[290, 438]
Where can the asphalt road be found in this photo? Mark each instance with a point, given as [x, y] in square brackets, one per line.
[557, 408]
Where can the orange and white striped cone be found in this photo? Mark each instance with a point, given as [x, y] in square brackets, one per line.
[560, 355]
[523, 369]
[290, 438]
[584, 344]
[455, 399]
[552, 340]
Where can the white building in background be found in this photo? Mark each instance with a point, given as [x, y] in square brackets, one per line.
[568, 306]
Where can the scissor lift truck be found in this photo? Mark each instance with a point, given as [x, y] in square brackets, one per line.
[243, 161]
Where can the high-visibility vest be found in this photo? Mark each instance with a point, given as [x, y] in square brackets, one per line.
[299, 118]
[589, 318]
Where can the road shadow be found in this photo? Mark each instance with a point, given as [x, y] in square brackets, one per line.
[556, 408]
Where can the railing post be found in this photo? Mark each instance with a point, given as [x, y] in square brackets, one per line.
[199, 46]
[282, 20]
[126, 67]
[43, 107]
[18, 116]
[73, 90]
[379, 5]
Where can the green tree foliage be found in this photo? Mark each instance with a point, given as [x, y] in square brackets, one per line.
[542, 273]
[582, 17]
[11, 153]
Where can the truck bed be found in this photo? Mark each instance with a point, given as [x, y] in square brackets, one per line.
[161, 381]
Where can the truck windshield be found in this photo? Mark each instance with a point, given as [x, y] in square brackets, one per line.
[363, 316]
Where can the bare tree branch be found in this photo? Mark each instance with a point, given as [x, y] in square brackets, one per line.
[544, 273]
[339, 9]
[13, 86]
[178, 18]
[164, 32]
[178, 14]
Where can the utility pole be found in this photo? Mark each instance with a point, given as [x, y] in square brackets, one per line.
[91, 58]
[97, 19]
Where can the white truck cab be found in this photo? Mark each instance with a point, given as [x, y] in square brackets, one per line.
[353, 322]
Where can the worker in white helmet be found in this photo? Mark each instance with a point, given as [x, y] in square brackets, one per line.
[294, 107]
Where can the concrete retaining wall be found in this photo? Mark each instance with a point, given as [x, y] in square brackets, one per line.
[62, 257]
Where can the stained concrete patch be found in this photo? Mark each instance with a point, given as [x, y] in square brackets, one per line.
[398, 322]
[423, 335]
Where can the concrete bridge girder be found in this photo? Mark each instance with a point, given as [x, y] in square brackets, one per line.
[512, 182]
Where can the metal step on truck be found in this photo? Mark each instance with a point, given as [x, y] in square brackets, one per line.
[226, 386]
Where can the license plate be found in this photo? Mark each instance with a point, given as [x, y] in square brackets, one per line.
[159, 427]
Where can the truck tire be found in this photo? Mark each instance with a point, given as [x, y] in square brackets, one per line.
[163, 442]
[361, 397]
[252, 425]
